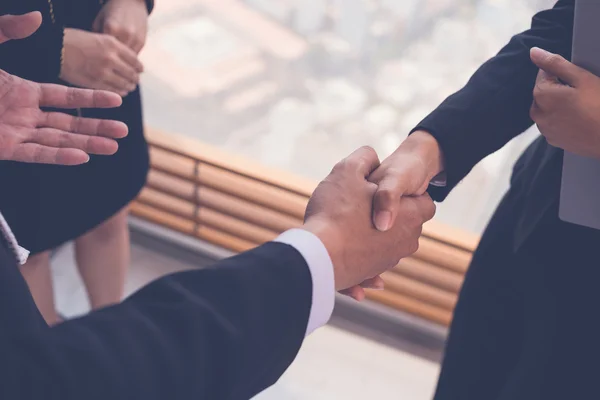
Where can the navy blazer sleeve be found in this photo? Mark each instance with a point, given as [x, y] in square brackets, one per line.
[494, 106]
[222, 333]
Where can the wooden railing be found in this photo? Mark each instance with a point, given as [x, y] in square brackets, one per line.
[230, 202]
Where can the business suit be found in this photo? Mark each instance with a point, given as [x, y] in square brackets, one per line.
[524, 325]
[226, 332]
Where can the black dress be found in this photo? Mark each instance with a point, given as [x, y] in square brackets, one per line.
[48, 205]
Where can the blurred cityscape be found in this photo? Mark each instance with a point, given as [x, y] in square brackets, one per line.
[299, 84]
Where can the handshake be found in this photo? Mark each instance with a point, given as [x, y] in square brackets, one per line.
[369, 215]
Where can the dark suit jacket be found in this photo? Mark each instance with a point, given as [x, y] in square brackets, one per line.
[44, 48]
[223, 333]
[493, 108]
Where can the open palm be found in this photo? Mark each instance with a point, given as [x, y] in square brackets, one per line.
[29, 134]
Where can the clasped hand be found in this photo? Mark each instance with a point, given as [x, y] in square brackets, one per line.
[341, 211]
[107, 58]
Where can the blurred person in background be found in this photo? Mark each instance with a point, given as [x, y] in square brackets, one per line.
[90, 44]
[525, 326]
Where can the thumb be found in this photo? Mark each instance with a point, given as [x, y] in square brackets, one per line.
[19, 26]
[557, 66]
[385, 203]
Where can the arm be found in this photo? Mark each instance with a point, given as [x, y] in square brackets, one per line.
[44, 48]
[494, 106]
[476, 121]
[223, 333]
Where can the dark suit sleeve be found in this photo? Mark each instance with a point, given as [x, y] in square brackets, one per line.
[150, 5]
[222, 333]
[37, 57]
[494, 106]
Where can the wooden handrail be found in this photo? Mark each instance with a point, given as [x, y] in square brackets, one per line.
[237, 204]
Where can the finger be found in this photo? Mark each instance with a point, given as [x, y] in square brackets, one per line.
[549, 91]
[355, 292]
[544, 78]
[138, 45]
[558, 67]
[40, 154]
[426, 207]
[125, 71]
[131, 58]
[59, 96]
[375, 283]
[19, 26]
[58, 139]
[123, 34]
[120, 84]
[363, 161]
[386, 200]
[83, 126]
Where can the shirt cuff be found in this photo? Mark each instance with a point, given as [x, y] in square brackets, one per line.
[440, 180]
[321, 270]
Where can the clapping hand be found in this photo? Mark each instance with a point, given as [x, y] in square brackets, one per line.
[99, 61]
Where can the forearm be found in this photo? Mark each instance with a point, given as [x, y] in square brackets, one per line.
[494, 106]
[224, 333]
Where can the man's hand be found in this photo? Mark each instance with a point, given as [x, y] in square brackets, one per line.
[30, 135]
[566, 105]
[99, 61]
[339, 213]
[126, 20]
[19, 26]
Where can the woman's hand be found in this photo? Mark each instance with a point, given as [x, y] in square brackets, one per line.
[19, 26]
[126, 20]
[99, 61]
[31, 135]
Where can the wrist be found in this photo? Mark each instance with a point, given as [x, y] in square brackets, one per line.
[139, 2]
[423, 145]
[329, 236]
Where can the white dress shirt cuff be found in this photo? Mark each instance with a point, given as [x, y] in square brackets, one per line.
[321, 270]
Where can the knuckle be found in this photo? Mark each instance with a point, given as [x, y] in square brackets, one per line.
[368, 151]
[111, 42]
[339, 168]
[109, 59]
[555, 59]
[128, 33]
[111, 27]
[103, 74]
[353, 163]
